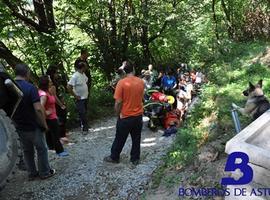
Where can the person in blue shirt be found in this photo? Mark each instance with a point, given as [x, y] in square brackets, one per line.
[168, 81]
[30, 123]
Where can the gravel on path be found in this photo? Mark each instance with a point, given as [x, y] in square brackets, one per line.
[84, 175]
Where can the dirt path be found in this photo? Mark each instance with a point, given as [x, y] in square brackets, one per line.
[84, 175]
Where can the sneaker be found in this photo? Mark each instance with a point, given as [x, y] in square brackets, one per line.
[110, 160]
[63, 154]
[51, 173]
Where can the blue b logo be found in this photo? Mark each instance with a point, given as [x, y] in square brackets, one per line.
[231, 166]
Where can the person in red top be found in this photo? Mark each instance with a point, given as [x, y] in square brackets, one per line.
[129, 109]
[48, 99]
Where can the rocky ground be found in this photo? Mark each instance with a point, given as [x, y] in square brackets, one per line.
[84, 175]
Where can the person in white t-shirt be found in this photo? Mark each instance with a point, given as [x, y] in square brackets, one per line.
[77, 86]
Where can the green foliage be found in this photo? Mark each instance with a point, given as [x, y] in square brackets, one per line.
[211, 118]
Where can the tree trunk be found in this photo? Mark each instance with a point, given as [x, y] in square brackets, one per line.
[49, 13]
[12, 60]
[215, 19]
[40, 11]
[7, 55]
[228, 18]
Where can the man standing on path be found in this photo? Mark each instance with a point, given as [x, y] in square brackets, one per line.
[30, 123]
[83, 58]
[79, 89]
[129, 108]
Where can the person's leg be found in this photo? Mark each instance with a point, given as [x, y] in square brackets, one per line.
[136, 138]
[54, 132]
[21, 164]
[49, 139]
[26, 139]
[81, 107]
[62, 117]
[84, 119]
[122, 130]
[42, 153]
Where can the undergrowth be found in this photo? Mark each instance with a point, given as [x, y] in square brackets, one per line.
[228, 76]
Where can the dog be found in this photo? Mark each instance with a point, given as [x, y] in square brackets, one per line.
[256, 103]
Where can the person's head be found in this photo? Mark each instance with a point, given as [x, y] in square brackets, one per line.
[182, 79]
[120, 72]
[81, 67]
[127, 66]
[150, 67]
[22, 70]
[84, 54]
[44, 83]
[169, 72]
[52, 72]
[146, 75]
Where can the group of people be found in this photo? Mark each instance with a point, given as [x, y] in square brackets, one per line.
[43, 110]
[179, 83]
[129, 98]
[40, 117]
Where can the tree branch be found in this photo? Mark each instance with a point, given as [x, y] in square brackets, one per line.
[26, 20]
[152, 38]
[7, 55]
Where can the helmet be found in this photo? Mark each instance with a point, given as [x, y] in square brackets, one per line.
[170, 99]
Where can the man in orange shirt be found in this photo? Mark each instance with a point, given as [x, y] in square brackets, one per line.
[129, 109]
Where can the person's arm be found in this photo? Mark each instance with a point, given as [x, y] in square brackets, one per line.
[40, 114]
[58, 102]
[43, 101]
[71, 84]
[70, 89]
[117, 107]
[39, 110]
[118, 96]
[175, 83]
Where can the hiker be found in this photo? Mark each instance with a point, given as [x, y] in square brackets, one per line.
[168, 81]
[153, 75]
[129, 109]
[146, 77]
[48, 100]
[83, 58]
[61, 111]
[30, 123]
[77, 86]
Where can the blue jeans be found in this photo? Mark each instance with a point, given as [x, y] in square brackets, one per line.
[32, 140]
[81, 106]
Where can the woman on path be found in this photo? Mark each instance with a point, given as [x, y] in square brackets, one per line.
[48, 100]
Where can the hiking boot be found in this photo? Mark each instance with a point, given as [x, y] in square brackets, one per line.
[110, 160]
[51, 173]
[63, 154]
